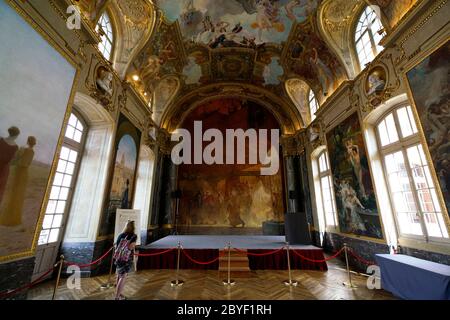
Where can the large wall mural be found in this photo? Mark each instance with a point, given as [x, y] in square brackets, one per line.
[355, 197]
[430, 87]
[28, 136]
[229, 196]
[244, 22]
[123, 175]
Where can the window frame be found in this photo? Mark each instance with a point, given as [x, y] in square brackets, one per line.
[327, 174]
[313, 114]
[79, 147]
[402, 145]
[113, 33]
[368, 30]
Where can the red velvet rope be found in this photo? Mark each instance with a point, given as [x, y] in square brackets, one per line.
[360, 259]
[88, 264]
[200, 262]
[153, 254]
[259, 254]
[318, 261]
[9, 293]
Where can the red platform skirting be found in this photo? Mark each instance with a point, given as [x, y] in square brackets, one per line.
[169, 260]
[276, 261]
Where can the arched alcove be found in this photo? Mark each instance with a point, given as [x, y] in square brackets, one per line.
[230, 197]
[90, 188]
[144, 183]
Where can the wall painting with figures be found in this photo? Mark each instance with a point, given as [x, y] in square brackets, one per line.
[123, 176]
[28, 138]
[355, 197]
[234, 197]
[429, 84]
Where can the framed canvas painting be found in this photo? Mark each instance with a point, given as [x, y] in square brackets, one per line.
[122, 182]
[429, 84]
[356, 204]
[29, 138]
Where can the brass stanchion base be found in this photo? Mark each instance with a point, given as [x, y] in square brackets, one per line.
[229, 283]
[176, 283]
[349, 285]
[290, 283]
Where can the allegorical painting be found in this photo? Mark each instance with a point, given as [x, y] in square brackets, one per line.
[123, 176]
[220, 23]
[28, 136]
[429, 82]
[229, 196]
[355, 197]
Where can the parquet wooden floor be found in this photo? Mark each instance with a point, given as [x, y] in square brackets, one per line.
[207, 285]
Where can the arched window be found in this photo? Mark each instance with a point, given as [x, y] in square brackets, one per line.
[63, 182]
[413, 195]
[369, 33]
[327, 202]
[104, 28]
[313, 104]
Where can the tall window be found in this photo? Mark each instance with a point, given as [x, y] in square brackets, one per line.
[313, 104]
[104, 28]
[63, 182]
[413, 193]
[368, 36]
[326, 187]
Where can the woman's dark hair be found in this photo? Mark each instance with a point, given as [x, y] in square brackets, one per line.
[130, 227]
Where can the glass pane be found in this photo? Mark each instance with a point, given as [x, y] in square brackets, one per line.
[60, 207]
[57, 221]
[61, 166]
[73, 120]
[412, 120]
[77, 136]
[67, 180]
[53, 235]
[54, 194]
[79, 126]
[73, 156]
[70, 168]
[405, 123]
[391, 128]
[70, 132]
[51, 207]
[382, 131]
[64, 153]
[64, 193]
[48, 219]
[58, 179]
[43, 237]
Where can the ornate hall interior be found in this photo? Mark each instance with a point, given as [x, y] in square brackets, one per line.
[256, 149]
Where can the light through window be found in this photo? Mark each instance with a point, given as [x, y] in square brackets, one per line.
[313, 104]
[369, 33]
[326, 186]
[63, 182]
[104, 28]
[413, 193]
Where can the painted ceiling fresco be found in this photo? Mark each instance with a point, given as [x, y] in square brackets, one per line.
[244, 22]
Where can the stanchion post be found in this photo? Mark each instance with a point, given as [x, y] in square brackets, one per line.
[177, 282]
[289, 282]
[61, 264]
[348, 283]
[228, 281]
[108, 284]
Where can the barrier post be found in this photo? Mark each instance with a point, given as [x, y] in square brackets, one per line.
[108, 284]
[229, 282]
[177, 282]
[61, 264]
[348, 283]
[289, 282]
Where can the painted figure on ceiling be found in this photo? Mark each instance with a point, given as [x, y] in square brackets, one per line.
[323, 72]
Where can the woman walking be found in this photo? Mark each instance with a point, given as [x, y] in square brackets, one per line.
[124, 256]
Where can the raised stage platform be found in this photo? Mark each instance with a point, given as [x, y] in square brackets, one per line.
[207, 248]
